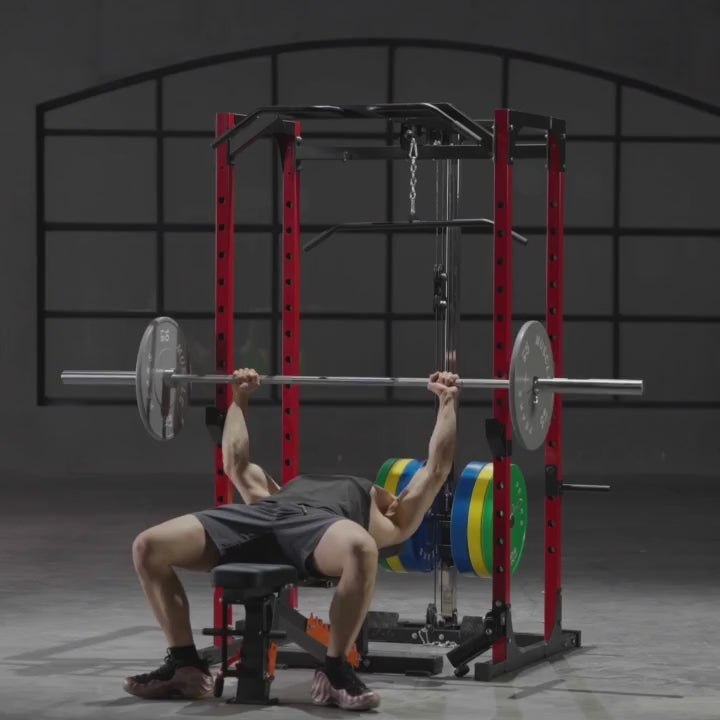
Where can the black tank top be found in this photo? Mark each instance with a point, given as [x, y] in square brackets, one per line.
[345, 495]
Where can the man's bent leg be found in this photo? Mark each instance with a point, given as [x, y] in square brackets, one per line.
[181, 542]
[348, 551]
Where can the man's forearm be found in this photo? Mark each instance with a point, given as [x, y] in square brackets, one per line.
[441, 452]
[408, 510]
[235, 440]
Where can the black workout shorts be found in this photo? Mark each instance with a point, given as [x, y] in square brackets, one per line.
[275, 533]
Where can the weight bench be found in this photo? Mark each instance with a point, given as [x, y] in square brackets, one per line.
[255, 586]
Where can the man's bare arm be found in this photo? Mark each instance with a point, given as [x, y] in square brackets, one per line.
[408, 510]
[251, 481]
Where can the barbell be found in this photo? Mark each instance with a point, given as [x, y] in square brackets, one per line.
[162, 377]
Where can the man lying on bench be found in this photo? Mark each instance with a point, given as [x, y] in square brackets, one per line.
[326, 526]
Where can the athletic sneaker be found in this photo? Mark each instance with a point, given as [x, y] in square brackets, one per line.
[346, 690]
[171, 680]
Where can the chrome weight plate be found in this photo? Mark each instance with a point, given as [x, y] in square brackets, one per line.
[532, 358]
[162, 351]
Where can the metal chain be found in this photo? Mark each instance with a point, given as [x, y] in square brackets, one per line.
[413, 175]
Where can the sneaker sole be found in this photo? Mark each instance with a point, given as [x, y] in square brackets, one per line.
[190, 690]
[323, 693]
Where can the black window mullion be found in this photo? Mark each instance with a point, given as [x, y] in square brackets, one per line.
[187, 227]
[389, 207]
[474, 402]
[505, 82]
[616, 269]
[380, 316]
[276, 239]
[41, 275]
[160, 200]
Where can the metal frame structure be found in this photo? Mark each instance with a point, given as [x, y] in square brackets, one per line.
[510, 136]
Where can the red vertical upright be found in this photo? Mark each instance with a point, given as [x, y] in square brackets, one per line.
[290, 312]
[224, 308]
[553, 446]
[502, 344]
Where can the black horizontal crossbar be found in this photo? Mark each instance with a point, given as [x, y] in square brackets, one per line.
[391, 152]
[443, 115]
[419, 225]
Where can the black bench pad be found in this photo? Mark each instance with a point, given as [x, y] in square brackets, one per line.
[253, 576]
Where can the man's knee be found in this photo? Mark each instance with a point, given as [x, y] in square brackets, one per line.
[345, 545]
[361, 550]
[146, 551]
[181, 543]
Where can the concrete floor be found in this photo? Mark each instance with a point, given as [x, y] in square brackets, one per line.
[642, 582]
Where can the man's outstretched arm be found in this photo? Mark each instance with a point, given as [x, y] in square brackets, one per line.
[408, 510]
[251, 481]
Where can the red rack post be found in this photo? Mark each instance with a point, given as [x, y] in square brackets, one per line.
[553, 447]
[290, 312]
[502, 343]
[224, 312]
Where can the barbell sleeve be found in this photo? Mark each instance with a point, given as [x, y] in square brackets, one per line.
[591, 386]
[97, 377]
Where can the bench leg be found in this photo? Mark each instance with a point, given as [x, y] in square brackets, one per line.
[254, 672]
[225, 638]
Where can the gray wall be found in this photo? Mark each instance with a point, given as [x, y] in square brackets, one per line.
[50, 49]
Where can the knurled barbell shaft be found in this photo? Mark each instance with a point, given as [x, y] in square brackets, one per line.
[567, 386]
[121, 377]
[339, 380]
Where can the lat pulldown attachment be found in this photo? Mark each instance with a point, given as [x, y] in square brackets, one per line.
[369, 226]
